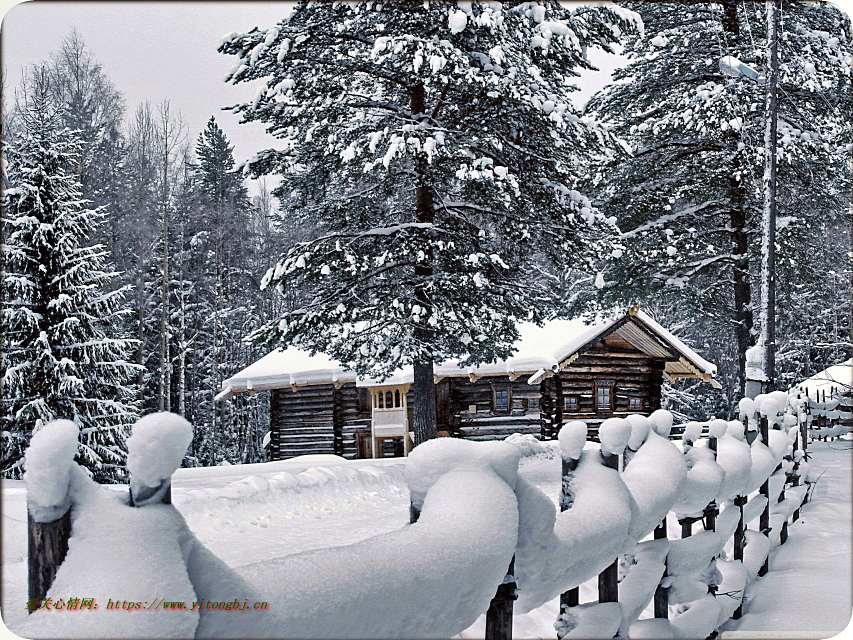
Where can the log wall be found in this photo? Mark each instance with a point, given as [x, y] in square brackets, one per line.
[324, 419]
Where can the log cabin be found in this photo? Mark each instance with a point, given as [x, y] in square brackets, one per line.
[564, 370]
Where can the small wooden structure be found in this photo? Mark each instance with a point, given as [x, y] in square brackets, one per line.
[562, 371]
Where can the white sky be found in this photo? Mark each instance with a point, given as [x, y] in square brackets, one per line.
[155, 50]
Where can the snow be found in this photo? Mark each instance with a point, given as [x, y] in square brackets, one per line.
[572, 438]
[690, 556]
[839, 376]
[763, 464]
[442, 571]
[692, 432]
[754, 553]
[614, 434]
[746, 407]
[434, 458]
[457, 21]
[698, 621]
[637, 589]
[155, 449]
[49, 461]
[640, 428]
[539, 348]
[701, 484]
[735, 457]
[654, 477]
[593, 620]
[118, 553]
[661, 422]
[343, 502]
[526, 443]
[557, 552]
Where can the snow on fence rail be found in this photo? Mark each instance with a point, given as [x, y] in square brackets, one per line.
[480, 536]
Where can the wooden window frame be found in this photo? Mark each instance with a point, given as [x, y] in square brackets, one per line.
[573, 409]
[605, 384]
[632, 401]
[495, 391]
[529, 406]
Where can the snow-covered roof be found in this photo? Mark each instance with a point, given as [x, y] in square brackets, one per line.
[839, 376]
[538, 350]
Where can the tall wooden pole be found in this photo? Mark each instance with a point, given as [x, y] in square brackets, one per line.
[768, 220]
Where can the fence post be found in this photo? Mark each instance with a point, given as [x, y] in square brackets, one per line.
[570, 598]
[739, 544]
[50, 466]
[155, 449]
[499, 615]
[608, 580]
[764, 521]
[47, 546]
[661, 594]
[572, 437]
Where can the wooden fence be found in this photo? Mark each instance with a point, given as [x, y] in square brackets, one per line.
[48, 542]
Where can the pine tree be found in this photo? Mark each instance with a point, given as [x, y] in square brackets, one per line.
[430, 152]
[689, 198]
[62, 357]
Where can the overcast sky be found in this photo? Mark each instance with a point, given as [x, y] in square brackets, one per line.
[157, 50]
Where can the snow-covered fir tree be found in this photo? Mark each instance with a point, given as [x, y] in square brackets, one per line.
[62, 354]
[431, 152]
[689, 199]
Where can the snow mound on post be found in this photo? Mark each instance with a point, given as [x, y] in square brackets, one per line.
[125, 555]
[735, 457]
[442, 571]
[557, 552]
[692, 431]
[661, 422]
[156, 447]
[702, 484]
[746, 408]
[762, 466]
[717, 428]
[572, 438]
[779, 444]
[614, 434]
[48, 463]
[640, 427]
[654, 477]
[431, 460]
[736, 430]
[526, 443]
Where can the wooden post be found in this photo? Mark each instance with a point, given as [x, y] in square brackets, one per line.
[608, 580]
[570, 598]
[499, 615]
[764, 521]
[661, 594]
[739, 544]
[47, 545]
[686, 527]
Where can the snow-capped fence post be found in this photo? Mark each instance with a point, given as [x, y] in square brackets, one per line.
[49, 463]
[764, 521]
[155, 449]
[614, 434]
[572, 438]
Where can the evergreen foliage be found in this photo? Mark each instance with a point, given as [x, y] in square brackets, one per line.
[62, 355]
[689, 198]
[432, 152]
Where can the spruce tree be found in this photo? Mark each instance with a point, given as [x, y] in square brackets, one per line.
[62, 355]
[689, 198]
[430, 151]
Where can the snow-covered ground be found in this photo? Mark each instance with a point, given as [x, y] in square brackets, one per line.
[264, 516]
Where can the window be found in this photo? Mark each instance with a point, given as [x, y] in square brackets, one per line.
[635, 404]
[604, 395]
[533, 404]
[570, 403]
[501, 399]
